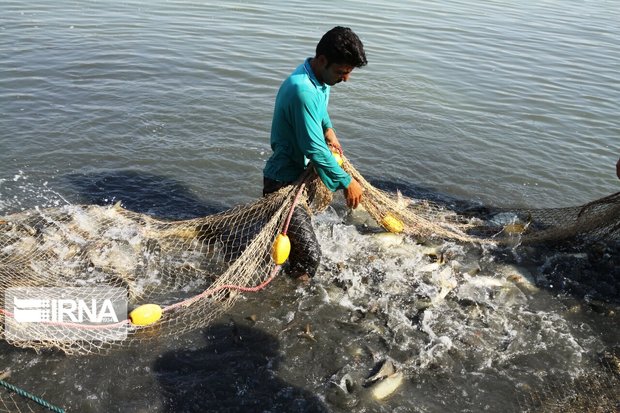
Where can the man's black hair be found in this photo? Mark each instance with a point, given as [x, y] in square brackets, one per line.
[341, 46]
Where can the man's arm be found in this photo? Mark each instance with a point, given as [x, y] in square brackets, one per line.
[353, 193]
[332, 140]
[313, 141]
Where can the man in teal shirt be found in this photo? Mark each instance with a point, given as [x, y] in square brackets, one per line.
[301, 132]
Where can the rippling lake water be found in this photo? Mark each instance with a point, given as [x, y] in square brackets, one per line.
[166, 106]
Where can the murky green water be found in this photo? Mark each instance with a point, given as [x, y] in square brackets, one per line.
[167, 107]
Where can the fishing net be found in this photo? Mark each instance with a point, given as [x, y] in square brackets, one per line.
[426, 219]
[194, 269]
[13, 403]
[161, 262]
[592, 392]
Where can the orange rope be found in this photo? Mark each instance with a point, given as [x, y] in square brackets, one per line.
[212, 291]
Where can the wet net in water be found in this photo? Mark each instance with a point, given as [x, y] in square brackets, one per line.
[195, 268]
[592, 392]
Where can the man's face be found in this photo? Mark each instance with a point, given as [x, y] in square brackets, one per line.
[334, 73]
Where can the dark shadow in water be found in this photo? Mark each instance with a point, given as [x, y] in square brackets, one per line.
[154, 195]
[234, 372]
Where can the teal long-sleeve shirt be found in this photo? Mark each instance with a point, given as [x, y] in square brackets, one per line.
[297, 131]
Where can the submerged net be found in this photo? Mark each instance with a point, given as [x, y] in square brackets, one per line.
[194, 269]
[592, 392]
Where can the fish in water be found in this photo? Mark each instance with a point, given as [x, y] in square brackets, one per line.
[385, 381]
[341, 392]
[386, 387]
[521, 277]
[387, 369]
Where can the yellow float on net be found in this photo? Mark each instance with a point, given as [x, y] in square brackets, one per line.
[338, 158]
[145, 314]
[392, 224]
[281, 249]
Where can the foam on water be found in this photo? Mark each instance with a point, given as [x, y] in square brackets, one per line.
[443, 310]
[494, 320]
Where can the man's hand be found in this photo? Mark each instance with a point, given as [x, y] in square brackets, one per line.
[332, 140]
[353, 194]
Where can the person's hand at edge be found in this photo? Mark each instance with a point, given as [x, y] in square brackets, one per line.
[353, 194]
